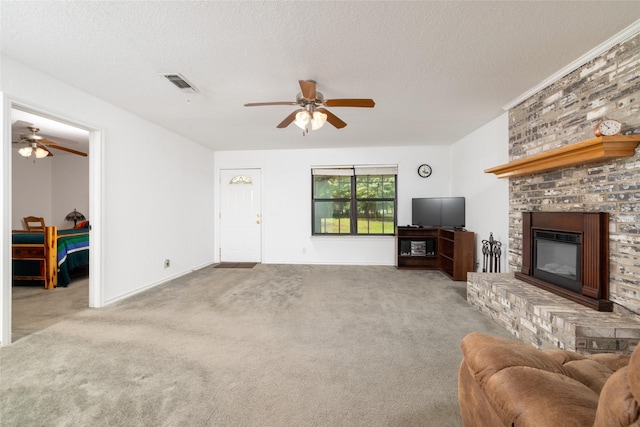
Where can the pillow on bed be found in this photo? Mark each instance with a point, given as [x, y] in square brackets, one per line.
[82, 224]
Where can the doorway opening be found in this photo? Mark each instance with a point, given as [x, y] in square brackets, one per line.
[53, 186]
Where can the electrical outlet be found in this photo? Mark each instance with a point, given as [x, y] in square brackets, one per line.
[167, 263]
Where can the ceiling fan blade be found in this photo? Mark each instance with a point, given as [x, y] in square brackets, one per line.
[259, 104]
[68, 150]
[53, 144]
[308, 88]
[333, 119]
[366, 103]
[288, 120]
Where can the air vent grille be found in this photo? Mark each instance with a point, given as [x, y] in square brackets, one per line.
[180, 82]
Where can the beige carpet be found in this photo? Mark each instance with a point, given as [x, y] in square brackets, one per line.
[36, 308]
[276, 345]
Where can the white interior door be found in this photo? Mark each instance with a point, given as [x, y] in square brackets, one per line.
[240, 215]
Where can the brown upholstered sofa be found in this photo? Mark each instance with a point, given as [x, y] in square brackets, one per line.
[509, 383]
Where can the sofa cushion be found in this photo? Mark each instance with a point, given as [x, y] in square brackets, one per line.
[477, 411]
[485, 355]
[634, 373]
[528, 387]
[588, 372]
[620, 397]
[535, 397]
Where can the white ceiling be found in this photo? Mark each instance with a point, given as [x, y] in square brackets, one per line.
[437, 70]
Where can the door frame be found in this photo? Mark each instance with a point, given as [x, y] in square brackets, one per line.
[220, 206]
[96, 197]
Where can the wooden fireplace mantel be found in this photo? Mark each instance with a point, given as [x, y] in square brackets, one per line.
[588, 151]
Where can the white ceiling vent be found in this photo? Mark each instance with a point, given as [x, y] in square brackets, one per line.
[180, 82]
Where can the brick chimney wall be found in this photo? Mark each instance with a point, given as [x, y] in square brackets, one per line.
[565, 113]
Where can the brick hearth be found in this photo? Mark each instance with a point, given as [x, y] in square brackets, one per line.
[549, 321]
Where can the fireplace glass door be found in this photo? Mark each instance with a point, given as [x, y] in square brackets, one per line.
[556, 258]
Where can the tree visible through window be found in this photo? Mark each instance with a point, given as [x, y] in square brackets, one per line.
[359, 200]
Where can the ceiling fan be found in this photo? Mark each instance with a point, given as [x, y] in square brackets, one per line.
[39, 146]
[312, 109]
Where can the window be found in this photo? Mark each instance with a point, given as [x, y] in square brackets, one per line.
[240, 179]
[354, 200]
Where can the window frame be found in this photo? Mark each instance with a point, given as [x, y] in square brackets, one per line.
[353, 172]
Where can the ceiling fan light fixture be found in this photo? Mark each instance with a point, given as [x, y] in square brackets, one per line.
[318, 120]
[302, 118]
[41, 153]
[25, 151]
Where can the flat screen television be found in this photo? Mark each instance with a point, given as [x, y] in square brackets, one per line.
[438, 212]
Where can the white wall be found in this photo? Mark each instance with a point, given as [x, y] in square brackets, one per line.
[32, 195]
[50, 187]
[70, 181]
[152, 182]
[286, 178]
[487, 197]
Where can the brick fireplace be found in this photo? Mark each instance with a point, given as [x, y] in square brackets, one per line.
[567, 253]
[559, 116]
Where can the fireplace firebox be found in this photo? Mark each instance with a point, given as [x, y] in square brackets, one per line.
[567, 253]
[557, 258]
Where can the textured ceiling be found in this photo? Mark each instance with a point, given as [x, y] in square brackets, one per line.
[437, 70]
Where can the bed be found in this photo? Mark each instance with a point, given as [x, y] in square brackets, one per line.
[72, 252]
[50, 257]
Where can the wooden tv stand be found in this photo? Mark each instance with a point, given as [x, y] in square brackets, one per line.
[431, 248]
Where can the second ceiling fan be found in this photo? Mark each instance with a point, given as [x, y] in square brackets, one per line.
[312, 111]
[35, 144]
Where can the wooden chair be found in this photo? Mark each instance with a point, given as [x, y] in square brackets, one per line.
[34, 223]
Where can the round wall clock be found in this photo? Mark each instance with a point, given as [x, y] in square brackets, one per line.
[424, 171]
[608, 127]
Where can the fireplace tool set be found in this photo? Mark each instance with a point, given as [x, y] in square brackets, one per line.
[491, 252]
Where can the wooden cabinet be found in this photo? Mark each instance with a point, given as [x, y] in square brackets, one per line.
[416, 248]
[456, 252]
[33, 253]
[34, 256]
[450, 251]
[28, 252]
